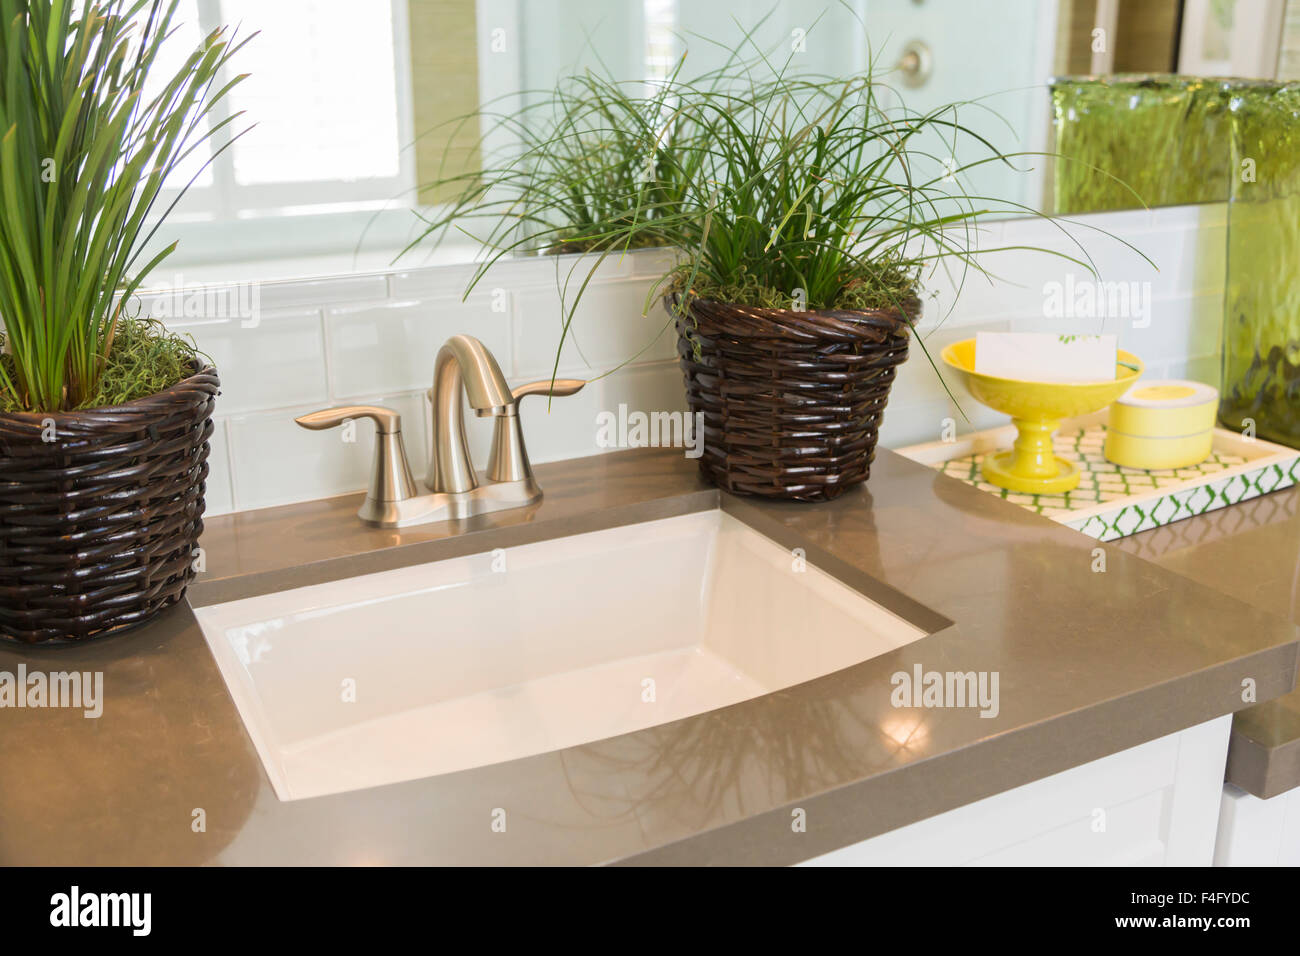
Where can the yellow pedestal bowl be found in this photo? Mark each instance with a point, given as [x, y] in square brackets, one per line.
[1036, 409]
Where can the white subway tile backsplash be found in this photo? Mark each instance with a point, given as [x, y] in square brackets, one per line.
[1176, 327]
[1116, 221]
[573, 269]
[608, 328]
[648, 388]
[570, 428]
[1017, 282]
[1180, 217]
[513, 275]
[1203, 263]
[391, 346]
[1191, 217]
[654, 263]
[278, 358]
[565, 429]
[906, 424]
[219, 496]
[277, 461]
[1189, 260]
[323, 291]
[916, 382]
[1115, 255]
[421, 283]
[1198, 368]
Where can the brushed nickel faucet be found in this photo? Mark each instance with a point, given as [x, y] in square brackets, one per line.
[464, 366]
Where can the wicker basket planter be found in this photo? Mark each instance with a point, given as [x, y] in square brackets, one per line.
[792, 401]
[98, 527]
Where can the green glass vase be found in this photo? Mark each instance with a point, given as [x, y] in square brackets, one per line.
[1260, 390]
[1128, 140]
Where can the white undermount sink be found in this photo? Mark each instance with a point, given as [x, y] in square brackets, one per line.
[480, 659]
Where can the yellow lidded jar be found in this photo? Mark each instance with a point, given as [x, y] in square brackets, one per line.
[1162, 424]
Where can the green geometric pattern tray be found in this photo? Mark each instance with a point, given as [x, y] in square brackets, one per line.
[1113, 502]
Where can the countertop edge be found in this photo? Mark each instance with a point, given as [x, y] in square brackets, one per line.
[996, 765]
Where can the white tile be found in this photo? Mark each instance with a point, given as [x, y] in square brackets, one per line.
[392, 347]
[649, 388]
[1177, 327]
[654, 262]
[1116, 221]
[567, 427]
[1189, 260]
[1121, 256]
[608, 328]
[296, 293]
[1011, 284]
[1188, 325]
[955, 290]
[1199, 368]
[651, 391]
[269, 295]
[1170, 251]
[1158, 370]
[277, 462]
[563, 428]
[1202, 215]
[972, 297]
[1181, 217]
[906, 424]
[277, 359]
[438, 281]
[1202, 265]
[511, 273]
[916, 383]
[603, 267]
[218, 497]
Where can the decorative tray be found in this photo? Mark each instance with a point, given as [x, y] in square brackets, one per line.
[1111, 501]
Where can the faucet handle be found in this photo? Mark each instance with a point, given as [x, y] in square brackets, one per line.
[559, 386]
[387, 421]
[390, 473]
[509, 458]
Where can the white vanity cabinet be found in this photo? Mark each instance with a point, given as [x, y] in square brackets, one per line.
[1156, 804]
[1255, 832]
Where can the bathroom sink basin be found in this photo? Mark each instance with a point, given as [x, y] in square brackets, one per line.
[475, 660]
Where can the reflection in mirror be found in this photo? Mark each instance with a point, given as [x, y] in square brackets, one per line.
[1146, 115]
[328, 147]
[912, 50]
[356, 102]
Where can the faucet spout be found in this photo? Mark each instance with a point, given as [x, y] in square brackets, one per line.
[463, 365]
[485, 386]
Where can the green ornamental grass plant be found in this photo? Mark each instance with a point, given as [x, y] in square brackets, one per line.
[85, 153]
[588, 158]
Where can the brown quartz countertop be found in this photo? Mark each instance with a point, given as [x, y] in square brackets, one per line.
[1090, 662]
[1250, 550]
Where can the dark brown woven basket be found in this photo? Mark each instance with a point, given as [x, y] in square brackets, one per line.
[98, 527]
[792, 401]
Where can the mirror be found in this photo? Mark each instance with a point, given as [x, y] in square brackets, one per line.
[354, 101]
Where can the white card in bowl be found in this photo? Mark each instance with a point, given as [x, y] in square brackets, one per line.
[1045, 357]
